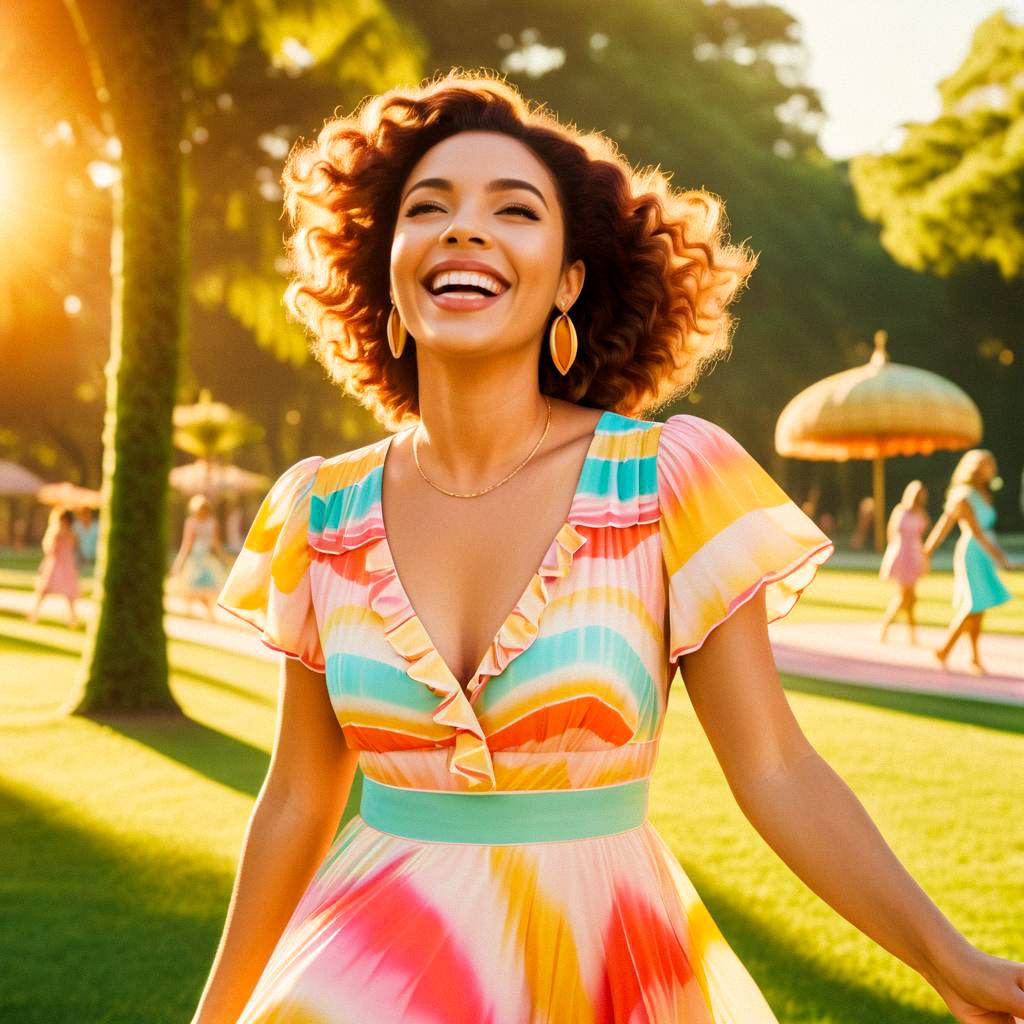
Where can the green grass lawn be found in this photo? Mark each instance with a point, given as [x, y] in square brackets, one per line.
[121, 841]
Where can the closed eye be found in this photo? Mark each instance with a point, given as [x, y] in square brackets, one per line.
[418, 207]
[519, 208]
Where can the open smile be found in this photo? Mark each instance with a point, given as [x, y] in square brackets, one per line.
[469, 287]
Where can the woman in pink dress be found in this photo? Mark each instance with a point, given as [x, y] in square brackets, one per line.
[904, 561]
[58, 571]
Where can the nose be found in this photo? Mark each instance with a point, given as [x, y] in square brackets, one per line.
[462, 234]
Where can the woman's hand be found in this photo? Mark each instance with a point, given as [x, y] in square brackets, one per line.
[980, 988]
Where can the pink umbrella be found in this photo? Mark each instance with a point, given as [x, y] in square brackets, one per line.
[15, 479]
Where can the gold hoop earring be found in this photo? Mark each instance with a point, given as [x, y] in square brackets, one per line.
[562, 342]
[397, 333]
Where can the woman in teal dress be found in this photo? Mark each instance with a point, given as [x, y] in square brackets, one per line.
[976, 583]
[199, 564]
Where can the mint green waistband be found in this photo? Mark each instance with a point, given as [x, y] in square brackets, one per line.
[502, 819]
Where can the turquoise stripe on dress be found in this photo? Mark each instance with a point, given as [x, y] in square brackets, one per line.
[346, 504]
[504, 818]
[580, 646]
[619, 479]
[354, 675]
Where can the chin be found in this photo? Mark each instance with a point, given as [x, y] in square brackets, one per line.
[465, 334]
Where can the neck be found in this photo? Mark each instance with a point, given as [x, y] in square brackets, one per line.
[475, 426]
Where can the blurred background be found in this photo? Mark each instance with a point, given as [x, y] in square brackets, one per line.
[871, 153]
[726, 97]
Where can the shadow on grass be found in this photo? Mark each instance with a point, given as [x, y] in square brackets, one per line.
[51, 638]
[208, 752]
[966, 710]
[95, 931]
[798, 988]
[60, 640]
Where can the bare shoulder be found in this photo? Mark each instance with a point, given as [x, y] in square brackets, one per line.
[573, 422]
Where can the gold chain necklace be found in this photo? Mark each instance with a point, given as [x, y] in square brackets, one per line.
[476, 494]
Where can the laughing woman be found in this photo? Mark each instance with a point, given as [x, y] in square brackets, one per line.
[486, 608]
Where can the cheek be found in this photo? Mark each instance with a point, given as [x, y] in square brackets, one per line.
[405, 261]
[401, 251]
[538, 260]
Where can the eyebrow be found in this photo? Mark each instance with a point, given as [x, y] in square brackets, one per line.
[498, 185]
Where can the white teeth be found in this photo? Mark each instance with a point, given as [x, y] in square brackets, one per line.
[466, 277]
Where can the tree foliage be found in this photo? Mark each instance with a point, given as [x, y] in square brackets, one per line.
[953, 192]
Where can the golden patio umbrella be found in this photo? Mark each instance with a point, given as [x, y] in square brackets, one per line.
[876, 411]
[69, 495]
[216, 479]
[211, 430]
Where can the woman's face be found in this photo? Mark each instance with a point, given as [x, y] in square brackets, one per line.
[476, 259]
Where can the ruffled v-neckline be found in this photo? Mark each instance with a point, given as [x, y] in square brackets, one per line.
[519, 628]
[555, 564]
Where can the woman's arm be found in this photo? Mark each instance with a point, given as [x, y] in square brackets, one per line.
[815, 823]
[892, 531]
[215, 544]
[292, 826]
[940, 531]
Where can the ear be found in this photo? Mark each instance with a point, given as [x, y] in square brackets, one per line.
[570, 285]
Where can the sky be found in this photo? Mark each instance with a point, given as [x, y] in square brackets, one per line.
[876, 63]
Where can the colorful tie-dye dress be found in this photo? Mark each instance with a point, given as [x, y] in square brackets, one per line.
[502, 870]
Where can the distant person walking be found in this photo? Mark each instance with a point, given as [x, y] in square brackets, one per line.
[58, 571]
[86, 530]
[904, 561]
[865, 515]
[234, 527]
[201, 559]
[976, 583]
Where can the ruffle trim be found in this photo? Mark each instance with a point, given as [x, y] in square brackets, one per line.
[313, 664]
[521, 627]
[470, 758]
[805, 568]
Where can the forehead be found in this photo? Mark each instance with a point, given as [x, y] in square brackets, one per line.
[471, 159]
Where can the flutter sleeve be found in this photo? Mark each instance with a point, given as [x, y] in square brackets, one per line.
[268, 585]
[727, 530]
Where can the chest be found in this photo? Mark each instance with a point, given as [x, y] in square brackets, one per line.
[465, 568]
[577, 662]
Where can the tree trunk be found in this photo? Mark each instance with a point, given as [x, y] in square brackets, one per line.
[139, 56]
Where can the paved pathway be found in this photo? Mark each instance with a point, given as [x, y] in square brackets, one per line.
[225, 632]
[851, 652]
[848, 652]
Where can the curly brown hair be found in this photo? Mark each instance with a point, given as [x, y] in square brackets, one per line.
[659, 269]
